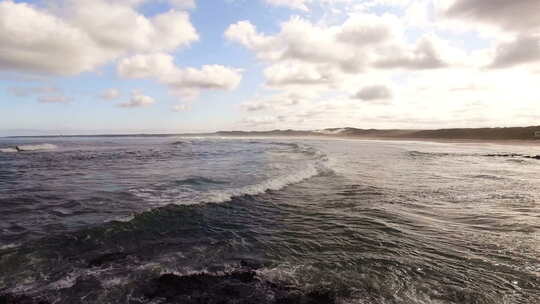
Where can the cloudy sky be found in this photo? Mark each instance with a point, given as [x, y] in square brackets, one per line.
[204, 65]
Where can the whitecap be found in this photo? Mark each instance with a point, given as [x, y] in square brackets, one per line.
[8, 150]
[36, 147]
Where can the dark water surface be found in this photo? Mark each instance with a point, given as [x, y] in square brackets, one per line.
[217, 220]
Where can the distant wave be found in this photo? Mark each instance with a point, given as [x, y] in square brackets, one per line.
[29, 148]
[8, 150]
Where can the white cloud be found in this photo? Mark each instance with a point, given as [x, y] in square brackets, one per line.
[291, 73]
[246, 34]
[182, 80]
[293, 4]
[110, 94]
[432, 74]
[75, 36]
[304, 5]
[137, 100]
[425, 55]
[314, 54]
[157, 65]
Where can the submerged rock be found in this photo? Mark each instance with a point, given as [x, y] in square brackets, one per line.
[504, 155]
[20, 299]
[513, 155]
[236, 287]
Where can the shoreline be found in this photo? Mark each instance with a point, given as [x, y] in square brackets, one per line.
[453, 140]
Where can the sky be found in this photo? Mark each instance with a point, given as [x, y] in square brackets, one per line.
[161, 66]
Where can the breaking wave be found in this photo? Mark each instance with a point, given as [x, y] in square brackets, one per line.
[271, 184]
[192, 190]
[22, 148]
[8, 150]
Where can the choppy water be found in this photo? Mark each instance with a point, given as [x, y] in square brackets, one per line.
[216, 220]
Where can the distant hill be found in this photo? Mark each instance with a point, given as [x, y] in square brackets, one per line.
[515, 133]
[525, 133]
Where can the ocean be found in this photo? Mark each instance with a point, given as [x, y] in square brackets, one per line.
[267, 220]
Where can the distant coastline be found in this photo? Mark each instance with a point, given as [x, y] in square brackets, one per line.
[531, 133]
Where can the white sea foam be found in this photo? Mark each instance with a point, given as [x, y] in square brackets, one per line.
[181, 196]
[36, 147]
[9, 246]
[8, 150]
[271, 184]
[28, 148]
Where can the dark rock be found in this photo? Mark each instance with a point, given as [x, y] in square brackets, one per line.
[320, 297]
[504, 155]
[251, 264]
[239, 287]
[20, 299]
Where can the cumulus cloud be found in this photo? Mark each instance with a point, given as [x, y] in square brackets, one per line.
[110, 94]
[162, 67]
[158, 65]
[306, 53]
[514, 15]
[137, 100]
[434, 66]
[424, 55]
[74, 36]
[290, 73]
[523, 49]
[375, 93]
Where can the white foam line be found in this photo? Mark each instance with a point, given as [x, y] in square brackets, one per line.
[37, 147]
[29, 148]
[272, 184]
[8, 150]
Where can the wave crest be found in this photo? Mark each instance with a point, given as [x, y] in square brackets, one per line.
[22, 148]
